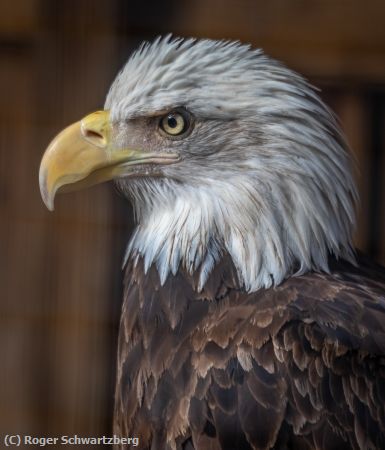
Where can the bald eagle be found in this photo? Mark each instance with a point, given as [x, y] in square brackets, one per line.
[248, 320]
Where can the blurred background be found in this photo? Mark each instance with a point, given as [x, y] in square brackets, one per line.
[60, 276]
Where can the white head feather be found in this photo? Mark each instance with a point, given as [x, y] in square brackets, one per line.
[265, 176]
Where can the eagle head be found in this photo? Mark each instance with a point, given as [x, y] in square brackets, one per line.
[222, 151]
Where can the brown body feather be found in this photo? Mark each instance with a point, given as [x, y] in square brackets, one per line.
[298, 366]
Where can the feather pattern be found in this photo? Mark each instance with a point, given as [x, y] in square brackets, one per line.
[297, 366]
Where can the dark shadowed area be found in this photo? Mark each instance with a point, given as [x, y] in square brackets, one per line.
[60, 273]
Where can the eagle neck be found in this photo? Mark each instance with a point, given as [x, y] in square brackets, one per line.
[194, 228]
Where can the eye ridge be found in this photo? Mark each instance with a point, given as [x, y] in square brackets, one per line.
[175, 123]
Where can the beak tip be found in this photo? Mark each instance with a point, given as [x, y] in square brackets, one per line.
[50, 206]
[47, 195]
[48, 200]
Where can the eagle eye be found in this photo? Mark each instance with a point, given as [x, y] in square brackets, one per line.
[175, 123]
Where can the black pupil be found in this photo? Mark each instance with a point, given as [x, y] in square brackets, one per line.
[172, 122]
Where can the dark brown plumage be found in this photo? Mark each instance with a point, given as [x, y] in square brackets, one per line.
[313, 368]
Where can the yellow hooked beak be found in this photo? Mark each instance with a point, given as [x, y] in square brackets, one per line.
[83, 155]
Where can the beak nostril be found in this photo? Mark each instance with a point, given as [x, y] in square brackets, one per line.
[94, 137]
[91, 134]
[95, 128]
